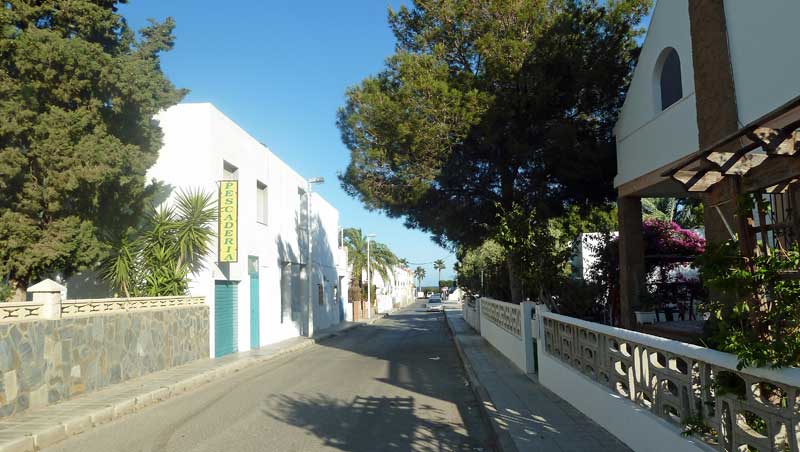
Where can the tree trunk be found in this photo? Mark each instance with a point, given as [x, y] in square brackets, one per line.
[514, 281]
[631, 259]
[20, 292]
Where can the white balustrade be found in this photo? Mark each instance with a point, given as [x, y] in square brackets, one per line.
[71, 308]
[683, 383]
[507, 327]
[47, 304]
[505, 315]
[25, 310]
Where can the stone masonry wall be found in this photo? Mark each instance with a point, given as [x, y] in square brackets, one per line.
[46, 361]
[717, 115]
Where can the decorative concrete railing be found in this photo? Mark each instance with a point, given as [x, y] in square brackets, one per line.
[28, 310]
[48, 304]
[507, 316]
[751, 409]
[507, 327]
[71, 308]
[19, 311]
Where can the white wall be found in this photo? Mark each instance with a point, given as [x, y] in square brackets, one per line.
[765, 61]
[506, 343]
[326, 256]
[633, 425]
[648, 138]
[403, 286]
[585, 252]
[398, 290]
[473, 316]
[764, 54]
[197, 139]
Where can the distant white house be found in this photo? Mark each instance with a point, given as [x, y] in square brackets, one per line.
[585, 253]
[264, 296]
[397, 291]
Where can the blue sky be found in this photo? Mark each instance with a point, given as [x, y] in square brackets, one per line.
[280, 70]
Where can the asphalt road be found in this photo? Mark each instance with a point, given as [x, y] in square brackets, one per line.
[395, 385]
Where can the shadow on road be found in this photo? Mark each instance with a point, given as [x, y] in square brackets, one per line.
[369, 424]
[421, 360]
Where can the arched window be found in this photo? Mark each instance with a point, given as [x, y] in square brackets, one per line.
[670, 79]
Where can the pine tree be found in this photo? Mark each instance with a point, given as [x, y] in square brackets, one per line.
[490, 105]
[78, 91]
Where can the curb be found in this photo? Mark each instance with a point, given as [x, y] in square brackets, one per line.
[503, 440]
[48, 435]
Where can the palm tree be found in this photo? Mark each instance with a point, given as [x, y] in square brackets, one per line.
[438, 264]
[687, 212]
[662, 209]
[170, 244]
[403, 262]
[419, 273]
[381, 257]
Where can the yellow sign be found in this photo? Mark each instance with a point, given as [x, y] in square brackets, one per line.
[228, 221]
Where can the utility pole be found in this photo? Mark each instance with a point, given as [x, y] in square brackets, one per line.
[369, 279]
[309, 266]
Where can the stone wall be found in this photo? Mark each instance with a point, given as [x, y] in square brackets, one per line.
[46, 361]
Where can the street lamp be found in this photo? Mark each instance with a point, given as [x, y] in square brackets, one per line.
[369, 278]
[311, 182]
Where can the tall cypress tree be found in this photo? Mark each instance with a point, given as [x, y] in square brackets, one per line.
[78, 91]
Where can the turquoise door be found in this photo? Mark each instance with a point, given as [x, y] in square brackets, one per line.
[255, 341]
[225, 319]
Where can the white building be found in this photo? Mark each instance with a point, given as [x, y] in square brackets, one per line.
[658, 122]
[585, 253]
[712, 112]
[263, 297]
[403, 287]
[397, 292]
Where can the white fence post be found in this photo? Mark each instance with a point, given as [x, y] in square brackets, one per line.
[538, 331]
[48, 292]
[527, 335]
[478, 314]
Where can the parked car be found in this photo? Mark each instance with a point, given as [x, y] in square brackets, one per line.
[434, 303]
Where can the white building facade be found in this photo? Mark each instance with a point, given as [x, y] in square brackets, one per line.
[397, 292]
[264, 296]
[653, 131]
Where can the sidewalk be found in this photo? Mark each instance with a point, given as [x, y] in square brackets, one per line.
[524, 415]
[36, 429]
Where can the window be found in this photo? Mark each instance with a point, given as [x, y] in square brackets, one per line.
[261, 203]
[670, 82]
[229, 172]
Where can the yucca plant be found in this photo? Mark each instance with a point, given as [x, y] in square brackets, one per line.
[170, 245]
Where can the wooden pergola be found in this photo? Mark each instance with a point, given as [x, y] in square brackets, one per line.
[760, 153]
[762, 157]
